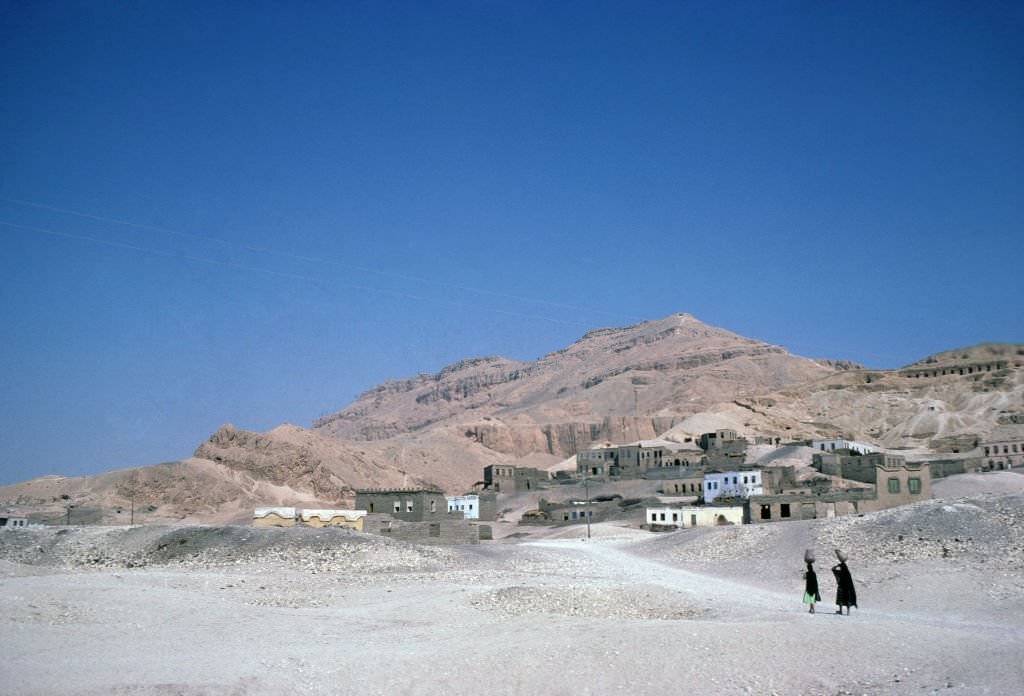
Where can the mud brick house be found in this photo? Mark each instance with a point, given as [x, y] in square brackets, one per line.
[638, 459]
[688, 482]
[407, 504]
[893, 481]
[508, 478]
[1004, 448]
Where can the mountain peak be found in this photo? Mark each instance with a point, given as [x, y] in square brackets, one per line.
[678, 362]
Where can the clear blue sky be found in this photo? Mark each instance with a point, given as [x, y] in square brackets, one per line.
[323, 196]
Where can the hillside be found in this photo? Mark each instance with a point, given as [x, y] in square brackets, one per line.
[674, 376]
[613, 384]
[973, 391]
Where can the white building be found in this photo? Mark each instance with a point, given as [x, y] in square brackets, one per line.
[468, 505]
[686, 517]
[13, 522]
[733, 484]
[833, 445]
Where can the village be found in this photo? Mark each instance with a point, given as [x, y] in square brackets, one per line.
[716, 479]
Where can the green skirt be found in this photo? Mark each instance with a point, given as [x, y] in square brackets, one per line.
[810, 599]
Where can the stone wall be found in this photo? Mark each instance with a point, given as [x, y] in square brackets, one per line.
[448, 531]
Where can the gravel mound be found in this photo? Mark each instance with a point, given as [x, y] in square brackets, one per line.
[318, 550]
[986, 529]
[649, 602]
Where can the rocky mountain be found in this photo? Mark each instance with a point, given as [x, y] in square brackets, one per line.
[944, 403]
[675, 375]
[612, 384]
[232, 472]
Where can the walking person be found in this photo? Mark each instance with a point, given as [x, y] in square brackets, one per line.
[846, 595]
[811, 594]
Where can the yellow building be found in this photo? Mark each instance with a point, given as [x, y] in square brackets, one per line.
[334, 518]
[274, 517]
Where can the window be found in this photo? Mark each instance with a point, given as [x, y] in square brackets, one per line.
[471, 506]
[784, 510]
[675, 516]
[408, 506]
[398, 506]
[894, 485]
[914, 485]
[663, 517]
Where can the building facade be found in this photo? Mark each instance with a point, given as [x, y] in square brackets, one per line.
[468, 505]
[732, 484]
[1003, 449]
[894, 481]
[13, 522]
[637, 459]
[703, 516]
[508, 478]
[688, 483]
[833, 445]
[408, 504]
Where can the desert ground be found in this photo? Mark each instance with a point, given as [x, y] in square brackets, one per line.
[241, 610]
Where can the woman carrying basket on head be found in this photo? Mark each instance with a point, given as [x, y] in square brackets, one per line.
[811, 594]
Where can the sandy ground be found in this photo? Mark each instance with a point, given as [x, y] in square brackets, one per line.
[241, 611]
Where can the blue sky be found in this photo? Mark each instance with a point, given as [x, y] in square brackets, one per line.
[250, 212]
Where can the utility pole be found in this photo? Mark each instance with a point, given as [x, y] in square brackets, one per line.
[131, 521]
[586, 485]
[67, 515]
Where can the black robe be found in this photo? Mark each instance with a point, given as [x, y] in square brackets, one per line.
[811, 583]
[846, 595]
